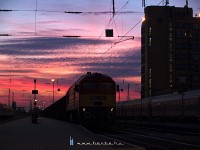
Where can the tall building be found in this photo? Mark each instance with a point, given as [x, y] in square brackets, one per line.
[170, 53]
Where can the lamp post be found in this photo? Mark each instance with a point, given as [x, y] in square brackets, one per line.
[128, 95]
[128, 90]
[118, 90]
[35, 100]
[53, 88]
[35, 112]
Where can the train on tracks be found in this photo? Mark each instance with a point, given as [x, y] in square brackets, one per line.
[183, 106]
[91, 100]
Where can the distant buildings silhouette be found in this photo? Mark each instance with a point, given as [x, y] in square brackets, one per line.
[170, 50]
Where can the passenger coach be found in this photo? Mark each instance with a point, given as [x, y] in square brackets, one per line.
[173, 107]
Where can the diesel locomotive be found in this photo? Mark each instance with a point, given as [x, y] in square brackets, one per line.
[92, 100]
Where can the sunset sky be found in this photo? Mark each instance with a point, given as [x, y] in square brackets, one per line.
[37, 50]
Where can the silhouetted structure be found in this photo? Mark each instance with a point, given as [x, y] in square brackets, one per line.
[170, 50]
[14, 104]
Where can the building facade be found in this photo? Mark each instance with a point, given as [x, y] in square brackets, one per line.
[170, 50]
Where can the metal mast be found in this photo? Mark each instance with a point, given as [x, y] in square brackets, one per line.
[113, 8]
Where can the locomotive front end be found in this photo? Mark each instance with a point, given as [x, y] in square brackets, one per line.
[97, 103]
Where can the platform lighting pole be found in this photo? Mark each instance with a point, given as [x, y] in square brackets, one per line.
[35, 112]
[187, 3]
[143, 3]
[9, 97]
[35, 100]
[12, 98]
[53, 88]
[113, 8]
[128, 94]
[30, 105]
[119, 90]
[119, 96]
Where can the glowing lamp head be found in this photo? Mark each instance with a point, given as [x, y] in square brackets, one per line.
[35, 102]
[143, 19]
[197, 15]
[52, 80]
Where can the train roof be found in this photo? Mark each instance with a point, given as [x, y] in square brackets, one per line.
[124, 103]
[176, 96]
[167, 97]
[94, 76]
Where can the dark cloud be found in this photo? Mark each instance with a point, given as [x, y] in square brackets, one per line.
[43, 55]
[41, 45]
[17, 71]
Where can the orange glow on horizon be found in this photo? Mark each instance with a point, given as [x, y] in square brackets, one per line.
[66, 64]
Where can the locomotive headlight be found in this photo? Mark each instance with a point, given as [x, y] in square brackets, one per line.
[111, 109]
[84, 109]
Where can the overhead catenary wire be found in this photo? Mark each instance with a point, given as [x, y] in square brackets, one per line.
[35, 17]
[114, 17]
[115, 43]
[95, 13]
[87, 36]
[78, 13]
[73, 12]
[119, 41]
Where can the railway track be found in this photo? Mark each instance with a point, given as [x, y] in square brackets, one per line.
[195, 132]
[151, 139]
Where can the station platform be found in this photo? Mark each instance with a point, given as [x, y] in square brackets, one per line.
[50, 134]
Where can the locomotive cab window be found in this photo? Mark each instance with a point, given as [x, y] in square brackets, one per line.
[89, 86]
[105, 86]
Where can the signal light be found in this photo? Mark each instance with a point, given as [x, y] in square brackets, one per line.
[35, 101]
